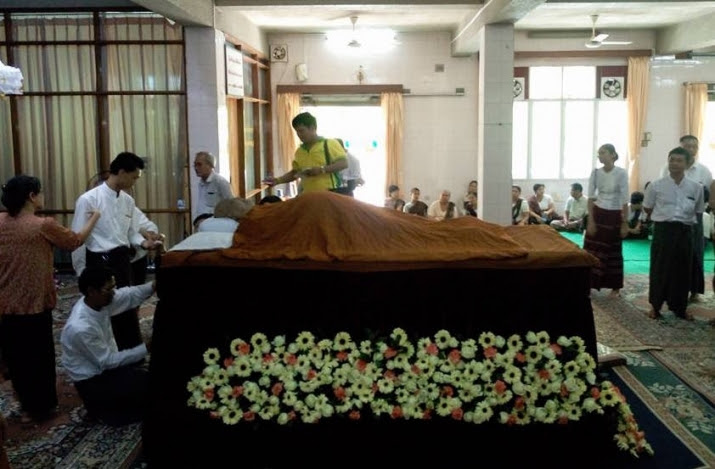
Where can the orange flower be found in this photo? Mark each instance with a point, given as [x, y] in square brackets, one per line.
[267, 358]
[455, 356]
[544, 374]
[556, 348]
[249, 416]
[520, 357]
[432, 349]
[354, 415]
[277, 388]
[340, 393]
[310, 375]
[227, 362]
[361, 365]
[564, 390]
[447, 391]
[290, 359]
[389, 374]
[342, 356]
[244, 348]
[595, 392]
[209, 394]
[415, 369]
[390, 352]
[490, 352]
[500, 386]
[519, 403]
[237, 391]
[396, 412]
[457, 414]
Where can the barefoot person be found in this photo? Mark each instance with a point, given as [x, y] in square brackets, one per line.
[673, 203]
[607, 220]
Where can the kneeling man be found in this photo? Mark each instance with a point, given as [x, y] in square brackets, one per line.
[673, 203]
[112, 383]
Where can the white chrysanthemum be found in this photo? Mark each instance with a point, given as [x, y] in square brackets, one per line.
[579, 343]
[442, 339]
[499, 341]
[443, 407]
[514, 342]
[342, 341]
[586, 361]
[487, 339]
[203, 403]
[242, 367]
[366, 347]
[385, 386]
[260, 342]
[563, 341]
[283, 418]
[326, 410]
[571, 368]
[533, 353]
[212, 356]
[531, 337]
[547, 352]
[518, 388]
[231, 416]
[542, 338]
[591, 378]
[482, 413]
[469, 349]
[325, 344]
[305, 341]
[590, 405]
[399, 336]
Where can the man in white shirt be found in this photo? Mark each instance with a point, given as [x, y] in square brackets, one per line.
[352, 175]
[111, 383]
[673, 203]
[213, 187]
[576, 210]
[519, 207]
[115, 234]
[702, 175]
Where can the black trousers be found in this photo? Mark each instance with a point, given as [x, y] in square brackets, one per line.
[117, 396]
[29, 351]
[125, 326]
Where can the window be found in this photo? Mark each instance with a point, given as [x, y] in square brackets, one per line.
[706, 149]
[557, 131]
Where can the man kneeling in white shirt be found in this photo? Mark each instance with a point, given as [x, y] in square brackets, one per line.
[112, 383]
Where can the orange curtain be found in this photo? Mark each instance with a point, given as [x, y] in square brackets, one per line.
[696, 101]
[638, 81]
[288, 108]
[393, 110]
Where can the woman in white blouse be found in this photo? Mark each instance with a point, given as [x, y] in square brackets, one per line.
[607, 220]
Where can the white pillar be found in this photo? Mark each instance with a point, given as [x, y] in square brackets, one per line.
[496, 71]
[206, 111]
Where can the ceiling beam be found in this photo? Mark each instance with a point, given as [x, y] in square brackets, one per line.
[186, 12]
[272, 3]
[688, 36]
[466, 39]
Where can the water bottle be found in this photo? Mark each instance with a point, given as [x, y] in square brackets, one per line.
[180, 204]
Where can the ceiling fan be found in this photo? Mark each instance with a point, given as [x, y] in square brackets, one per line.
[599, 39]
[354, 42]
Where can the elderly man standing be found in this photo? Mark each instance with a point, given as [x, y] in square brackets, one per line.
[213, 187]
[318, 161]
[673, 203]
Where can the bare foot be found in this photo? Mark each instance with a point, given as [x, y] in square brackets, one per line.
[696, 298]
[653, 314]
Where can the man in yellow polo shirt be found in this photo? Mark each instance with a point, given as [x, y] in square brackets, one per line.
[316, 170]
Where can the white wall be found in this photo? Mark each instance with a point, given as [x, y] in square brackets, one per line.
[440, 133]
[665, 109]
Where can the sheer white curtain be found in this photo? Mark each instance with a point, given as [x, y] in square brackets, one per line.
[638, 81]
[393, 109]
[696, 101]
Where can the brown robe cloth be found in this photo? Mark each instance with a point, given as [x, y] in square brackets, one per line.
[671, 257]
[606, 245]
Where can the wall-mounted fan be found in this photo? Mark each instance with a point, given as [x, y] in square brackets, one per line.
[598, 39]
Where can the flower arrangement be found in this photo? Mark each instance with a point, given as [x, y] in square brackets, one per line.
[515, 381]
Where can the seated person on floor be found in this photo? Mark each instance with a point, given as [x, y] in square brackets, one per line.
[443, 208]
[415, 206]
[227, 215]
[541, 207]
[519, 207]
[393, 200]
[638, 222]
[470, 206]
[111, 383]
[575, 212]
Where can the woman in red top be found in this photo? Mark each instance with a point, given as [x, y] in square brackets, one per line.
[27, 292]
